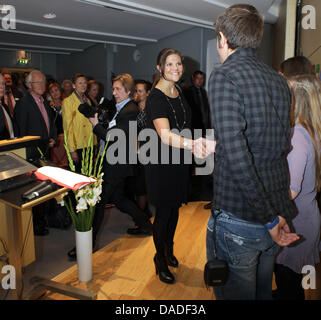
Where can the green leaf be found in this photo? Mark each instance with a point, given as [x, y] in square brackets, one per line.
[70, 161]
[96, 162]
[41, 154]
[102, 159]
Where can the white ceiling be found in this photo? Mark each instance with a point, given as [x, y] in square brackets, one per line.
[80, 24]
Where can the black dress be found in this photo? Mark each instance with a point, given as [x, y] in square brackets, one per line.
[168, 185]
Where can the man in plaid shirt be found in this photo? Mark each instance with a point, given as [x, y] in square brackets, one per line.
[250, 104]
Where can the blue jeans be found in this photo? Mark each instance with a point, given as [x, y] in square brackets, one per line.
[250, 252]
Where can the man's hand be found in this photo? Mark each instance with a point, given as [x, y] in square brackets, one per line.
[199, 149]
[210, 145]
[52, 142]
[281, 233]
[94, 120]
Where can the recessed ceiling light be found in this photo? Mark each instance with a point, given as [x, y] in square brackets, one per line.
[49, 15]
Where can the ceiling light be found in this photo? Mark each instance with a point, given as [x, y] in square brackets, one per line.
[50, 15]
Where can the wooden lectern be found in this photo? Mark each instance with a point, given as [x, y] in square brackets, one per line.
[16, 229]
[17, 146]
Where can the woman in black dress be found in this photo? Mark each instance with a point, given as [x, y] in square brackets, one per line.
[168, 184]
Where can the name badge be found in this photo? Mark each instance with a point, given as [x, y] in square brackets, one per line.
[112, 124]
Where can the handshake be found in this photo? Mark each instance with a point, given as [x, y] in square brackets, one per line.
[202, 147]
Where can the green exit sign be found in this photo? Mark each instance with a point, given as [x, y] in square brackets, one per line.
[23, 61]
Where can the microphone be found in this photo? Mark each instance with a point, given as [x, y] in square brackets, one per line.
[36, 187]
[39, 190]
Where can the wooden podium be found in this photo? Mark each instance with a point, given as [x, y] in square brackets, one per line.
[15, 210]
[16, 229]
[18, 146]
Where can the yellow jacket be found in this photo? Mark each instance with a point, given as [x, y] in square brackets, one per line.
[77, 126]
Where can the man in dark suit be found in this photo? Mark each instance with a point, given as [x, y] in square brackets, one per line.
[12, 94]
[35, 117]
[6, 121]
[196, 97]
[115, 174]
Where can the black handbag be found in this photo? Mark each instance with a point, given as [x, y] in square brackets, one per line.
[216, 270]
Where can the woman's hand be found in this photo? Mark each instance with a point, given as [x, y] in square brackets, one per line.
[74, 156]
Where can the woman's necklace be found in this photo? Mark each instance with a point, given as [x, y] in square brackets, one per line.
[174, 112]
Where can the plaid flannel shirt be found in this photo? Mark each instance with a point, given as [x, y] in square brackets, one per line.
[251, 174]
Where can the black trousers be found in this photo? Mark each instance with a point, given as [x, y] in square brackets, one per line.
[114, 192]
[288, 283]
[164, 227]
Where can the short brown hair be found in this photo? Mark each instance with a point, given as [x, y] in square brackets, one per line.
[127, 81]
[242, 25]
[147, 85]
[76, 76]
[295, 66]
[162, 56]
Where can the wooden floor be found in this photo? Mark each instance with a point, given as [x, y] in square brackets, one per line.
[124, 269]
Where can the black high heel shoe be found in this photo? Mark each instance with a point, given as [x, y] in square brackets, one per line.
[162, 270]
[170, 258]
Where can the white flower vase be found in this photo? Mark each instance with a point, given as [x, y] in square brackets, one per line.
[84, 251]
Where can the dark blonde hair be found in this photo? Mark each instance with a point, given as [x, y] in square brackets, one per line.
[242, 25]
[128, 83]
[307, 112]
[91, 83]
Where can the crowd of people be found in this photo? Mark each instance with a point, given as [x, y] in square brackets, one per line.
[265, 216]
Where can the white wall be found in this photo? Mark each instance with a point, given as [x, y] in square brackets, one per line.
[191, 43]
[91, 62]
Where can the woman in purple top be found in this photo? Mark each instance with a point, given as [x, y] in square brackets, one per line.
[305, 181]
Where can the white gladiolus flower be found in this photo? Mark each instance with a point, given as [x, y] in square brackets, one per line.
[97, 191]
[80, 193]
[81, 205]
[93, 197]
